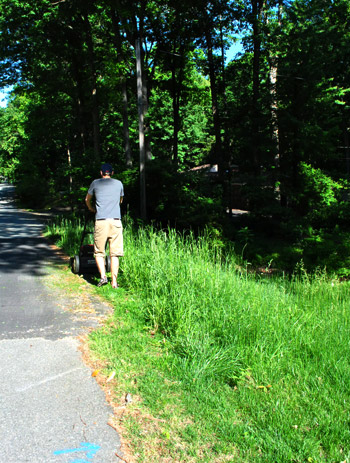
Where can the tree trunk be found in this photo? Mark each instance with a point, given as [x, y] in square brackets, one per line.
[175, 117]
[274, 108]
[145, 105]
[133, 29]
[120, 57]
[69, 160]
[79, 99]
[143, 210]
[346, 143]
[80, 107]
[93, 86]
[214, 99]
[223, 73]
[256, 10]
[126, 132]
[176, 95]
[274, 117]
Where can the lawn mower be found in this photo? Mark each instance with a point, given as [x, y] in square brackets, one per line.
[84, 262]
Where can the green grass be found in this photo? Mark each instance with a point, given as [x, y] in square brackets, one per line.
[231, 367]
[67, 234]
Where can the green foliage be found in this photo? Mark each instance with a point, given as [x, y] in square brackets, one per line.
[74, 105]
[185, 199]
[317, 189]
[12, 137]
[194, 142]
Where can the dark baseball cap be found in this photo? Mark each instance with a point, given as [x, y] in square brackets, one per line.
[106, 169]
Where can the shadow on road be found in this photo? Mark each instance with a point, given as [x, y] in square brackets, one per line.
[22, 248]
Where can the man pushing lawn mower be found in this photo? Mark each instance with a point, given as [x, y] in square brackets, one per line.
[108, 193]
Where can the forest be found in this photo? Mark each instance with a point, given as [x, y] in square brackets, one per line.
[203, 108]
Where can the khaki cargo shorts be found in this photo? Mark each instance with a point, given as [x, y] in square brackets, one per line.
[110, 230]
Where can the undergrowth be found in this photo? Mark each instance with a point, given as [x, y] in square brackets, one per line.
[231, 366]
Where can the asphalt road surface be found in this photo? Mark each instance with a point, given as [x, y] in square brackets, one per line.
[51, 409]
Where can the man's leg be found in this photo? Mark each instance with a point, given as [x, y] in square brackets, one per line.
[115, 249]
[100, 262]
[114, 270]
[100, 239]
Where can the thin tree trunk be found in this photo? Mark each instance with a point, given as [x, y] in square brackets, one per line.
[296, 106]
[126, 132]
[79, 99]
[274, 99]
[145, 105]
[143, 211]
[223, 73]
[134, 34]
[176, 95]
[80, 104]
[93, 85]
[256, 10]
[120, 57]
[274, 108]
[346, 144]
[69, 160]
[175, 116]
[214, 99]
[274, 116]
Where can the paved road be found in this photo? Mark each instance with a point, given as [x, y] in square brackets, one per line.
[51, 409]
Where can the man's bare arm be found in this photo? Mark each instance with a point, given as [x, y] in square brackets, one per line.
[88, 199]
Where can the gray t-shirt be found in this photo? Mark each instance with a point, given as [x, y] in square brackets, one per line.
[107, 192]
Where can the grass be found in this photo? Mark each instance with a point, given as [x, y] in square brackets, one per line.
[67, 234]
[223, 365]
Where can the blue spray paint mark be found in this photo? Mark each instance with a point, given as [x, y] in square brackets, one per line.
[89, 449]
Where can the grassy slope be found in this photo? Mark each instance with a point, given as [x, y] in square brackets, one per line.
[221, 366]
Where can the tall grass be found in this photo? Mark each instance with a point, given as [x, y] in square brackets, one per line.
[67, 234]
[280, 347]
[266, 362]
